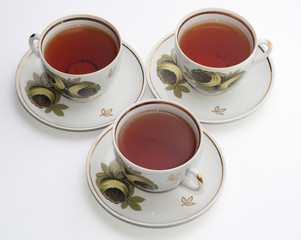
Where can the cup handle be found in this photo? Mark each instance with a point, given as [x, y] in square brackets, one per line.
[196, 182]
[34, 37]
[267, 46]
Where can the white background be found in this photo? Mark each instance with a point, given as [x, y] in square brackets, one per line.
[43, 188]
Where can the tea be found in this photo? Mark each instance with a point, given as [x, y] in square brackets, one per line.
[157, 140]
[215, 44]
[80, 50]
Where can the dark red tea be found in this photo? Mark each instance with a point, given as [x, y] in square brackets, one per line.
[80, 50]
[215, 44]
[157, 140]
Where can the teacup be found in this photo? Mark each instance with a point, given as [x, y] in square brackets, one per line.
[158, 144]
[215, 48]
[80, 53]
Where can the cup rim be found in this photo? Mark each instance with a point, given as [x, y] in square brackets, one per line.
[226, 12]
[159, 101]
[75, 17]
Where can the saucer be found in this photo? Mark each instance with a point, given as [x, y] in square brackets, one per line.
[127, 89]
[235, 104]
[148, 209]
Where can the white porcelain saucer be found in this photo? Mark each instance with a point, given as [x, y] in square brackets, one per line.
[235, 104]
[127, 89]
[156, 210]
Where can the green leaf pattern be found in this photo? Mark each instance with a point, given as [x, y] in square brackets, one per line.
[43, 95]
[117, 183]
[169, 73]
[45, 91]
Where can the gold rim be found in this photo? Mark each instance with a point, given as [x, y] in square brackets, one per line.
[146, 224]
[30, 110]
[230, 15]
[157, 95]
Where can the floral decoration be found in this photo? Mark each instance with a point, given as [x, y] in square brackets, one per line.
[74, 88]
[187, 202]
[43, 95]
[117, 183]
[212, 82]
[106, 113]
[219, 111]
[169, 73]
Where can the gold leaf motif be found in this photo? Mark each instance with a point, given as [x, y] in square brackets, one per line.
[106, 113]
[111, 73]
[187, 202]
[219, 111]
[173, 178]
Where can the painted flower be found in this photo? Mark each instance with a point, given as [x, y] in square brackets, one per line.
[74, 88]
[83, 90]
[113, 184]
[169, 73]
[136, 178]
[117, 183]
[59, 83]
[209, 79]
[231, 79]
[43, 97]
[212, 81]
[41, 93]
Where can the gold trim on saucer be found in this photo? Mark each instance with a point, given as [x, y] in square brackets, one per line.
[151, 78]
[185, 201]
[23, 99]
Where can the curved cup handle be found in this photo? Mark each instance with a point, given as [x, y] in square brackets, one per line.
[34, 37]
[193, 180]
[267, 46]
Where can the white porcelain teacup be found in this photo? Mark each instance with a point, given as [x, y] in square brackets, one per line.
[73, 80]
[213, 78]
[147, 147]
